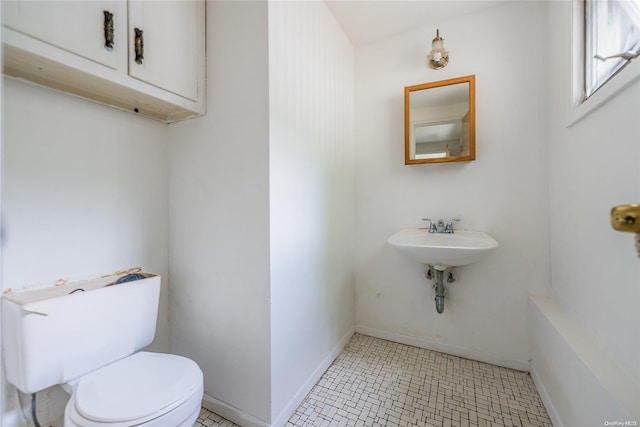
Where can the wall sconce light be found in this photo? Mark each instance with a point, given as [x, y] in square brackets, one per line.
[439, 56]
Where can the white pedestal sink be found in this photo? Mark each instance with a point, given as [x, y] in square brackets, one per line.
[443, 250]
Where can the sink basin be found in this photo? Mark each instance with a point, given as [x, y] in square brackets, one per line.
[442, 250]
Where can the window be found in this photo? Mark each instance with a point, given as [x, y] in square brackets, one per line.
[611, 40]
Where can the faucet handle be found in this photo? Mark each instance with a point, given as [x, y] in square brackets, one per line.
[432, 225]
[449, 227]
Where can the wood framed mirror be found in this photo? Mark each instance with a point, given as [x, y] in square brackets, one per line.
[440, 121]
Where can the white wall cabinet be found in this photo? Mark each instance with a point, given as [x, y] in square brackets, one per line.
[62, 44]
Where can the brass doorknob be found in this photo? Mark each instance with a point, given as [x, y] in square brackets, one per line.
[626, 218]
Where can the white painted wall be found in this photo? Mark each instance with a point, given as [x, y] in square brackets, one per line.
[503, 192]
[593, 166]
[219, 216]
[273, 162]
[84, 192]
[311, 177]
[261, 196]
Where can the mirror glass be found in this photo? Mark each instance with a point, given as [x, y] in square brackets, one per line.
[440, 121]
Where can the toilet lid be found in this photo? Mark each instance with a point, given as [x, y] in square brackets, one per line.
[136, 387]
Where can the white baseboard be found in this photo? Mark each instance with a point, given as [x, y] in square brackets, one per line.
[520, 365]
[245, 420]
[231, 413]
[297, 399]
[237, 416]
[546, 398]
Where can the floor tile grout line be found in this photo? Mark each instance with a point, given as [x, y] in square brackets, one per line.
[370, 384]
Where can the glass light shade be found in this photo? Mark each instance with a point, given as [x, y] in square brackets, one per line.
[439, 56]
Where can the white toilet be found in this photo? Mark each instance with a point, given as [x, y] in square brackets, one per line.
[85, 336]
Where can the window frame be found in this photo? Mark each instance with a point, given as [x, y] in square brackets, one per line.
[620, 79]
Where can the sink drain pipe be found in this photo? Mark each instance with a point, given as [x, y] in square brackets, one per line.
[439, 285]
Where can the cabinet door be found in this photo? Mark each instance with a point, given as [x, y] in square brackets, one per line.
[173, 44]
[75, 26]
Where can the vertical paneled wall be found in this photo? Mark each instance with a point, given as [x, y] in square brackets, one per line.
[311, 181]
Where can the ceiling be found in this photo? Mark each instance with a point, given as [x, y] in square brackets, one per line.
[366, 21]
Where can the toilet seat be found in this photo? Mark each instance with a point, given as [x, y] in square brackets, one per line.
[152, 388]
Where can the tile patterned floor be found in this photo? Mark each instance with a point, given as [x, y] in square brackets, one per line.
[376, 383]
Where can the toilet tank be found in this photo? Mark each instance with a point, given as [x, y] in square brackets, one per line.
[56, 334]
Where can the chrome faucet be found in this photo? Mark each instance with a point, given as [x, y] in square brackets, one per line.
[449, 227]
[440, 226]
[432, 225]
